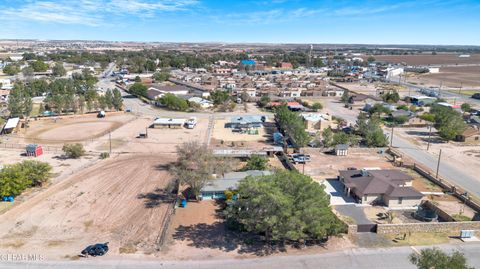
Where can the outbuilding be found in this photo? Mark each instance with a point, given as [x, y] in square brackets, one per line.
[341, 150]
[168, 123]
[34, 150]
[11, 125]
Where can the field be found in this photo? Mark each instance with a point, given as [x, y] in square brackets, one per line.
[439, 59]
[120, 200]
[451, 77]
[73, 129]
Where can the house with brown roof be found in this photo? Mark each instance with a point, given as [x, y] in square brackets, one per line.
[390, 187]
[470, 135]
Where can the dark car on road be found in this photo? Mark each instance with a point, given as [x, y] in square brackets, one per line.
[96, 250]
[476, 95]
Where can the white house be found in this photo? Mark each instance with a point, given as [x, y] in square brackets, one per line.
[202, 102]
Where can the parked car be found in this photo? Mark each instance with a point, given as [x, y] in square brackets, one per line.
[476, 95]
[96, 250]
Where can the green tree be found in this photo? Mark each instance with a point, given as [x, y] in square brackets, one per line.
[327, 136]
[219, 97]
[372, 132]
[39, 66]
[427, 117]
[109, 99]
[36, 172]
[345, 97]
[448, 122]
[391, 97]
[371, 59]
[284, 206]
[173, 102]
[12, 181]
[466, 107]
[117, 101]
[316, 106]
[58, 70]
[161, 76]
[378, 109]
[19, 102]
[138, 89]
[11, 69]
[73, 151]
[292, 125]
[256, 162]
[434, 258]
[138, 79]
[400, 119]
[27, 72]
[264, 100]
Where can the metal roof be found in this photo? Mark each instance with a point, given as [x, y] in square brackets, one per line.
[231, 180]
[12, 123]
[168, 121]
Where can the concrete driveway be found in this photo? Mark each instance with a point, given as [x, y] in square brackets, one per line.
[354, 212]
[334, 188]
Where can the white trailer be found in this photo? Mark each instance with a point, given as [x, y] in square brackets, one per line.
[191, 122]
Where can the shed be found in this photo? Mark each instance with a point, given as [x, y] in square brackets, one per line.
[168, 123]
[34, 150]
[11, 125]
[341, 150]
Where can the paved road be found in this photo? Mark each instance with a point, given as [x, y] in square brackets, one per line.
[392, 258]
[443, 93]
[447, 171]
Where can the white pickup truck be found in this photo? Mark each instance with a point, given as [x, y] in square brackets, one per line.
[190, 123]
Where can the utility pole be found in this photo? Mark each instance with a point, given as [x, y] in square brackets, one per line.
[461, 86]
[429, 134]
[110, 140]
[391, 138]
[146, 132]
[438, 163]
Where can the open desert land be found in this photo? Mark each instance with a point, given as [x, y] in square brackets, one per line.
[463, 156]
[120, 200]
[427, 59]
[69, 129]
[467, 77]
[126, 138]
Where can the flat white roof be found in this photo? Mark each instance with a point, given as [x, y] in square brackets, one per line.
[167, 121]
[11, 123]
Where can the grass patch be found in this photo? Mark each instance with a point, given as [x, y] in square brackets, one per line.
[5, 206]
[465, 92]
[55, 243]
[419, 239]
[129, 249]
[87, 224]
[16, 244]
[459, 217]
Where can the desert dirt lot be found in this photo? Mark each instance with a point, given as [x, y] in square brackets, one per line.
[430, 59]
[120, 200]
[72, 129]
[222, 136]
[325, 166]
[466, 157]
[198, 232]
[451, 77]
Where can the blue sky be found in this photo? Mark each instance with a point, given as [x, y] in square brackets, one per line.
[446, 22]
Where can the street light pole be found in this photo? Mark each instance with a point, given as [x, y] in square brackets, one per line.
[438, 163]
[110, 140]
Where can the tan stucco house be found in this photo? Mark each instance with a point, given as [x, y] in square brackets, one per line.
[390, 187]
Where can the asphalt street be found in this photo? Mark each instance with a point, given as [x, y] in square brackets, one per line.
[378, 258]
[447, 171]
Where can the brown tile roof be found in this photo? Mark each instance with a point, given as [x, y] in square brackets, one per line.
[377, 182]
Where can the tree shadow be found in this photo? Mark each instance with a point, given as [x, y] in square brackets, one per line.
[164, 166]
[218, 236]
[156, 198]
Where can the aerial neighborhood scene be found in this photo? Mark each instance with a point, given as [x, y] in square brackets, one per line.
[239, 134]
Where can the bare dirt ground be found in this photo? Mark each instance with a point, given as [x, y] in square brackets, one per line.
[430, 59]
[226, 134]
[466, 157]
[120, 200]
[324, 166]
[72, 129]
[198, 232]
[125, 139]
[466, 77]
